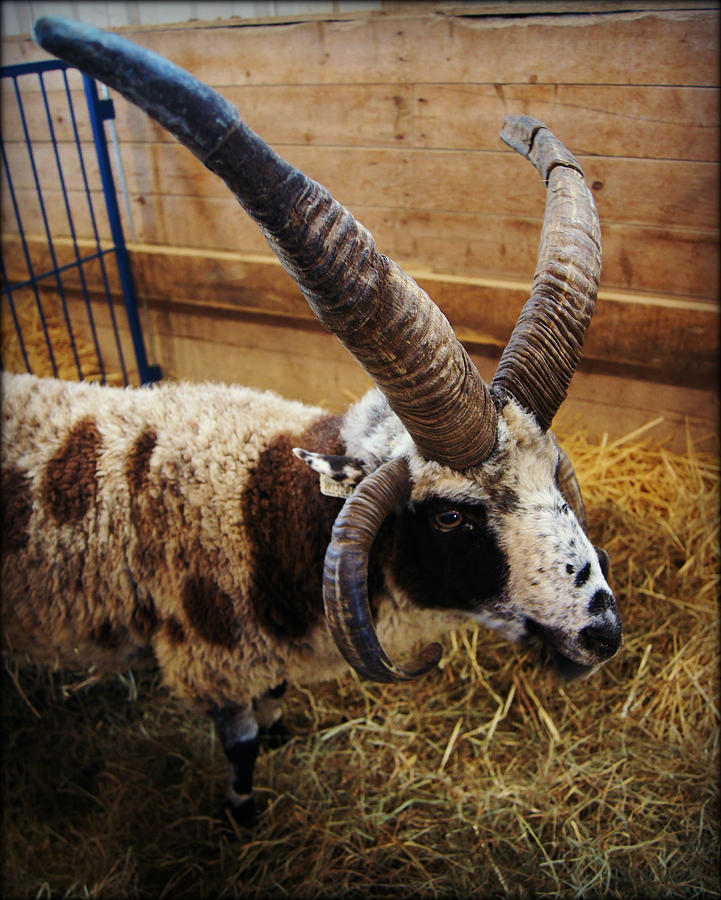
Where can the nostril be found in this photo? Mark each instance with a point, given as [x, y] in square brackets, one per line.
[603, 640]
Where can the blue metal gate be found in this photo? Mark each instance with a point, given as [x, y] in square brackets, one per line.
[42, 272]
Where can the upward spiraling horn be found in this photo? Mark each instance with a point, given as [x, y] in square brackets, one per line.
[399, 336]
[544, 349]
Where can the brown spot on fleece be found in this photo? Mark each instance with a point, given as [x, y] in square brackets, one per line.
[145, 619]
[106, 636]
[16, 500]
[70, 483]
[209, 611]
[151, 499]
[175, 631]
[137, 464]
[289, 527]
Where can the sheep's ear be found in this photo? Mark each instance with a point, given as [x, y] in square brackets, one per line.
[604, 560]
[338, 474]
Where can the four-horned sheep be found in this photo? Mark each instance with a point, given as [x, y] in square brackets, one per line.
[243, 541]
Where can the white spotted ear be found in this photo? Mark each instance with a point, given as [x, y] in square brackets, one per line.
[338, 474]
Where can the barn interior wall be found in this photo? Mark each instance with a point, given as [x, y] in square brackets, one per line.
[397, 111]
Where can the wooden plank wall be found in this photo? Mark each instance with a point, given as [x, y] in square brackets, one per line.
[398, 115]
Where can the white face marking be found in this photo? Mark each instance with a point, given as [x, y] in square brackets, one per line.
[554, 572]
[513, 628]
[554, 576]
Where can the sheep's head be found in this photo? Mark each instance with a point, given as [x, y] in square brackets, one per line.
[503, 542]
[473, 468]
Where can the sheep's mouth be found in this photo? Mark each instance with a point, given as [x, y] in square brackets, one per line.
[568, 669]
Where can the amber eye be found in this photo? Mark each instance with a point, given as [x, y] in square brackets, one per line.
[448, 520]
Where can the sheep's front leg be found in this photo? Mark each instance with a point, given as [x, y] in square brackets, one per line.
[269, 716]
[238, 733]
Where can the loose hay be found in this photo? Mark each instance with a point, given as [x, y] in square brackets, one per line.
[37, 334]
[486, 778]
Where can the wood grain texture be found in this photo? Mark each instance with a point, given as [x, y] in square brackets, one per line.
[308, 364]
[658, 222]
[398, 114]
[650, 192]
[660, 337]
[666, 46]
[600, 120]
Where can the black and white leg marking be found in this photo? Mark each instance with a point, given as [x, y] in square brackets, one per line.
[269, 716]
[238, 733]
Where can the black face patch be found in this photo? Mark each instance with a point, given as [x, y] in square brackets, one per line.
[583, 575]
[445, 555]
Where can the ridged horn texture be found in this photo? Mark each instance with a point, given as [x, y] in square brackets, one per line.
[345, 577]
[389, 324]
[539, 361]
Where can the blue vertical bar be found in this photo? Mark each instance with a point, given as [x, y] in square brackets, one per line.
[26, 254]
[99, 111]
[78, 264]
[46, 225]
[93, 222]
[64, 191]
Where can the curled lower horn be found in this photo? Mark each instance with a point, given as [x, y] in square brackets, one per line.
[399, 336]
[345, 576]
[544, 349]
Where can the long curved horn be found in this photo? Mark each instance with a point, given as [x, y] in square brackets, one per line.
[542, 354]
[345, 576]
[399, 336]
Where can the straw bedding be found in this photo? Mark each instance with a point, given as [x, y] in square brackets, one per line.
[487, 778]
[37, 334]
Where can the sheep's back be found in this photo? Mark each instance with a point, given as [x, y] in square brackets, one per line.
[123, 511]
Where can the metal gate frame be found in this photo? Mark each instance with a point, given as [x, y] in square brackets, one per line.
[99, 111]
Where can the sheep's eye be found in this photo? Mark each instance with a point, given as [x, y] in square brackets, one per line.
[448, 520]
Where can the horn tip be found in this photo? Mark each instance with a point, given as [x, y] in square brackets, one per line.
[50, 32]
[428, 659]
[518, 132]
